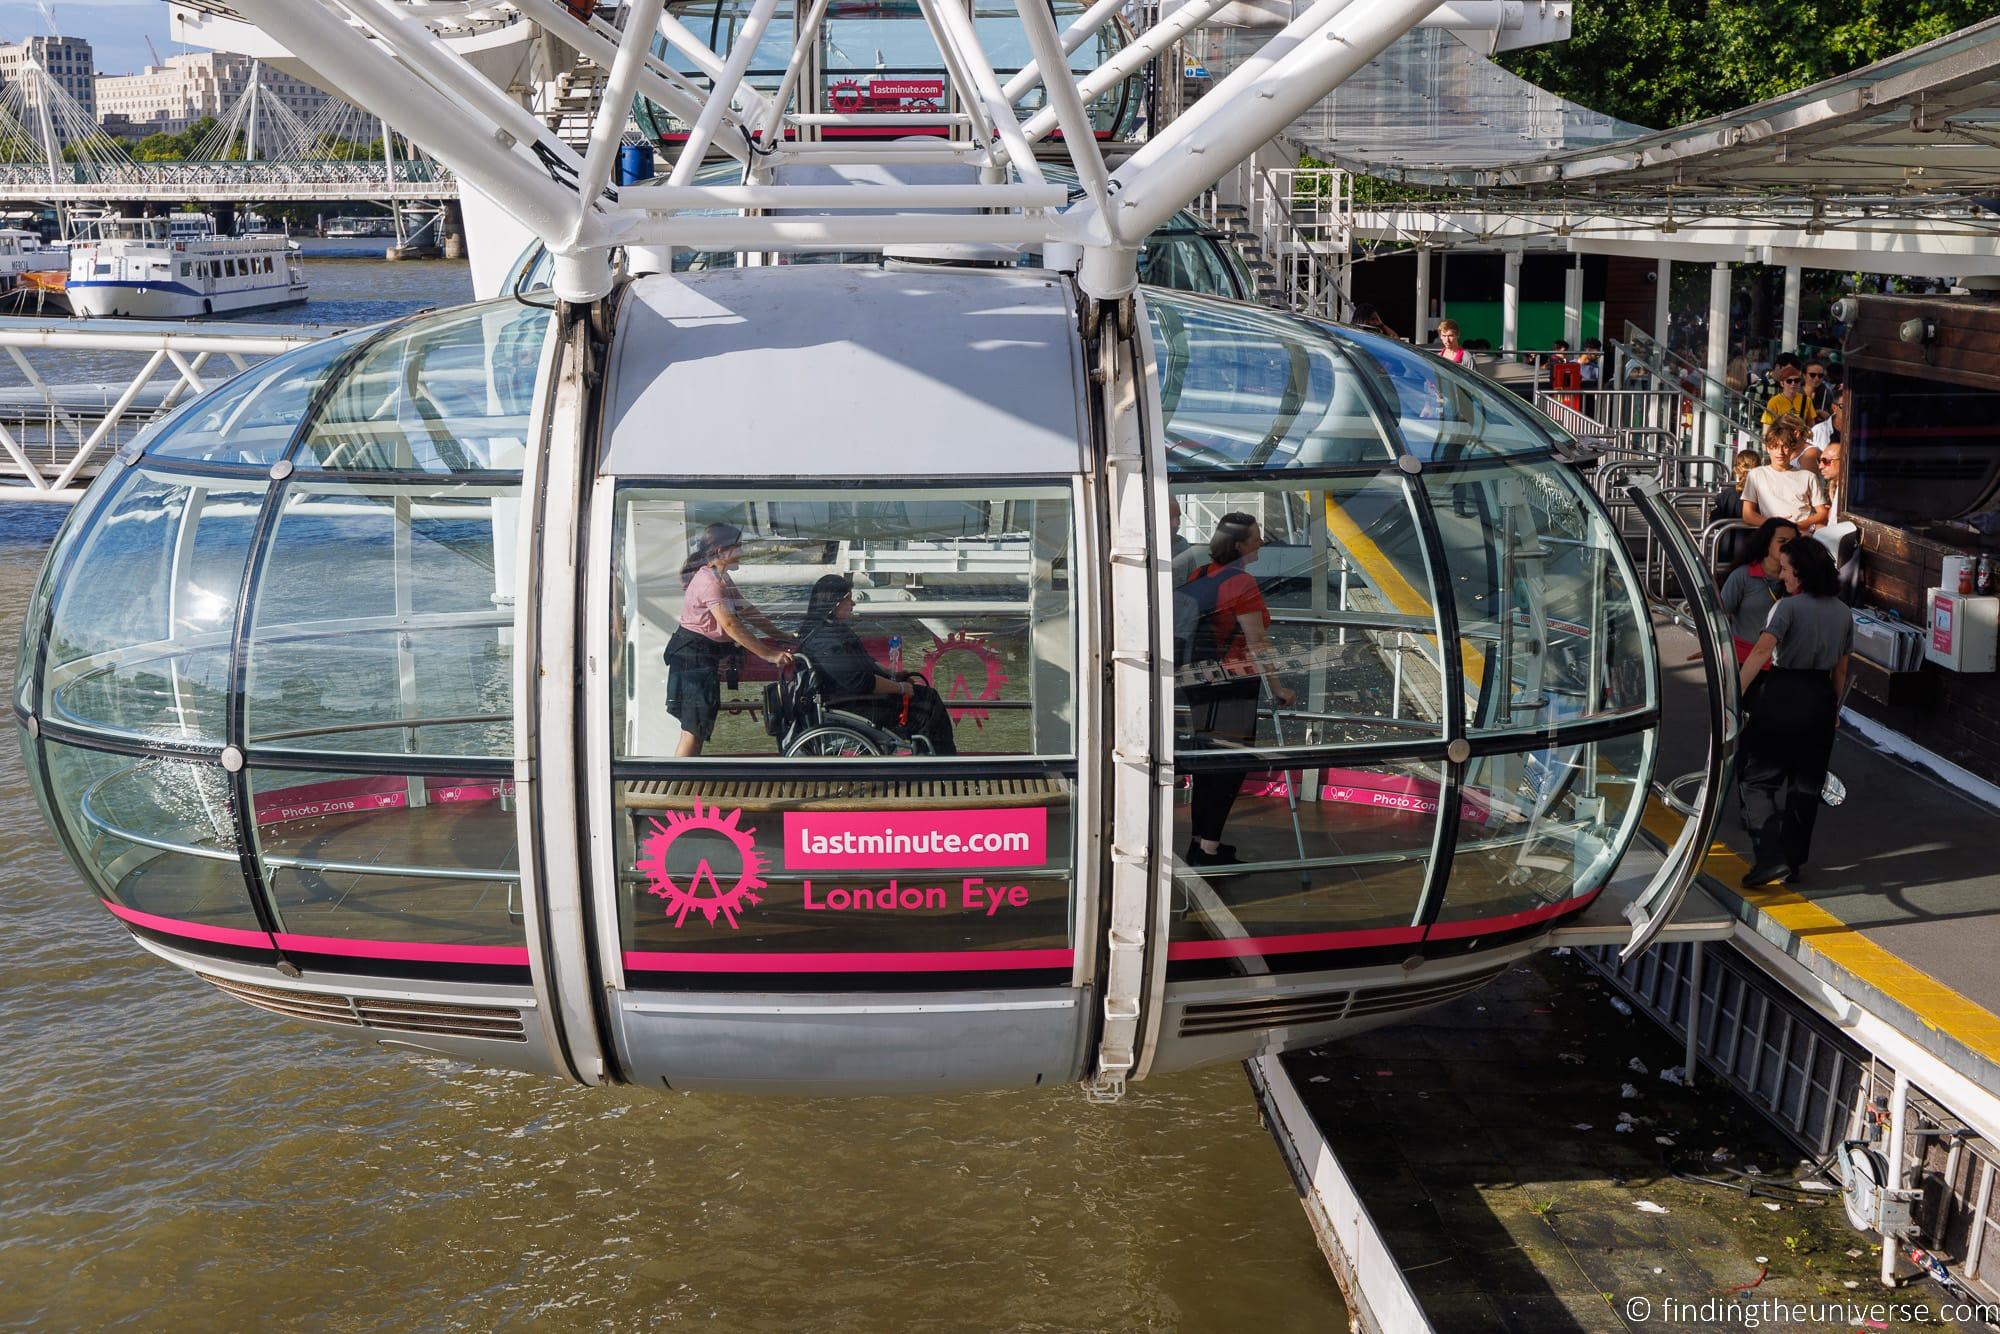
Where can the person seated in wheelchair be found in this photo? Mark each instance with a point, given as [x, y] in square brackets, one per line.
[849, 679]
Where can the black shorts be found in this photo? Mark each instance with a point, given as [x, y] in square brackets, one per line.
[694, 682]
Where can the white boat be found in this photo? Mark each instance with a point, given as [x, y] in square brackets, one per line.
[349, 227]
[176, 267]
[23, 252]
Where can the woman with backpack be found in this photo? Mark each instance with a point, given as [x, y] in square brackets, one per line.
[1223, 643]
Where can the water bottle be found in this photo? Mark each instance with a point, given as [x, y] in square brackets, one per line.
[895, 655]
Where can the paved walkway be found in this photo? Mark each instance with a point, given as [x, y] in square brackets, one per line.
[1901, 900]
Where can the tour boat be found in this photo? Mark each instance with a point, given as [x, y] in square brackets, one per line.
[178, 268]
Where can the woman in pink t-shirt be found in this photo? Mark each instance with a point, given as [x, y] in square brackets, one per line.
[714, 616]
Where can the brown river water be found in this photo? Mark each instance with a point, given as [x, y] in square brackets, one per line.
[176, 1159]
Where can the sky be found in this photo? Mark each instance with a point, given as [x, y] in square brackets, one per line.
[116, 29]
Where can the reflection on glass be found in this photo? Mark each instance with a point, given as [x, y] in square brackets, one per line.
[1244, 387]
[140, 640]
[1332, 608]
[383, 621]
[968, 589]
[1445, 413]
[938, 867]
[252, 417]
[1321, 847]
[390, 857]
[1550, 825]
[1544, 600]
[451, 392]
[158, 836]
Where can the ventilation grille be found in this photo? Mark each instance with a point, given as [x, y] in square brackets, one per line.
[1324, 1007]
[439, 1018]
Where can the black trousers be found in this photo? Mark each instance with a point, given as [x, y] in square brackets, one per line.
[1783, 762]
[1226, 713]
[930, 717]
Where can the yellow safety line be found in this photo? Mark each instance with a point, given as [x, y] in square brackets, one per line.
[1389, 581]
[1935, 1005]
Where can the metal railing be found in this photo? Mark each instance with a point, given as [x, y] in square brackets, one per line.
[56, 434]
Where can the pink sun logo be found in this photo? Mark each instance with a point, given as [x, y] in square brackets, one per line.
[957, 689]
[703, 891]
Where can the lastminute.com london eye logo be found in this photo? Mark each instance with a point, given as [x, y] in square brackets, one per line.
[703, 888]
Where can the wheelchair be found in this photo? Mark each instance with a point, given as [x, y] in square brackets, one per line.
[806, 722]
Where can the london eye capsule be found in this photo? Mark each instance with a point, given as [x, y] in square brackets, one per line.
[352, 688]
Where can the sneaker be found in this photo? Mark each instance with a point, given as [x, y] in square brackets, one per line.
[1794, 874]
[1764, 875]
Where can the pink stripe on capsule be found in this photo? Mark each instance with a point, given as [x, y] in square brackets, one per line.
[936, 961]
[1317, 940]
[1480, 926]
[406, 951]
[174, 926]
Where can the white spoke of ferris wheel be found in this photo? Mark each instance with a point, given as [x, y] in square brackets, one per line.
[1126, 63]
[413, 41]
[607, 135]
[660, 83]
[1075, 35]
[770, 127]
[962, 40]
[526, 174]
[741, 50]
[1302, 63]
[1079, 135]
[709, 63]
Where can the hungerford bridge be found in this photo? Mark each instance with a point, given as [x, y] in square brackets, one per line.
[259, 151]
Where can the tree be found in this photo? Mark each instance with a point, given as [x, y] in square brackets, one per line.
[1663, 63]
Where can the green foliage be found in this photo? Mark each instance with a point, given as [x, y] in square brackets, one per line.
[163, 147]
[1667, 62]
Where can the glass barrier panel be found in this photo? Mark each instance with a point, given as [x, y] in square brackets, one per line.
[1317, 855]
[158, 838]
[251, 418]
[917, 878]
[963, 593]
[444, 393]
[1302, 616]
[357, 858]
[139, 645]
[1540, 830]
[384, 621]
[1546, 604]
[1446, 414]
[76, 524]
[1243, 387]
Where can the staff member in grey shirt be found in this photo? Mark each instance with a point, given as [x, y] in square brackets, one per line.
[1790, 735]
[1753, 585]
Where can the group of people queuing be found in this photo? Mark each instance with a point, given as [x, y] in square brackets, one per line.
[1792, 634]
[718, 625]
[1789, 478]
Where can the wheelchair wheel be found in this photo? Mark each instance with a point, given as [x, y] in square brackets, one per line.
[833, 740]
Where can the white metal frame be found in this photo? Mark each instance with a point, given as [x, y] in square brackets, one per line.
[381, 54]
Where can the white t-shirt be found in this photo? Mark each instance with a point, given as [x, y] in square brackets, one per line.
[1784, 493]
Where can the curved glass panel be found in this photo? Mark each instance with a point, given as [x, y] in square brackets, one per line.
[1443, 412]
[251, 418]
[357, 858]
[1546, 605]
[1326, 634]
[1189, 260]
[75, 525]
[139, 644]
[384, 620]
[1551, 827]
[445, 393]
[1328, 856]
[158, 837]
[969, 588]
[1243, 387]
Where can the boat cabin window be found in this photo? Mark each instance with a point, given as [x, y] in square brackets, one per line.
[966, 592]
